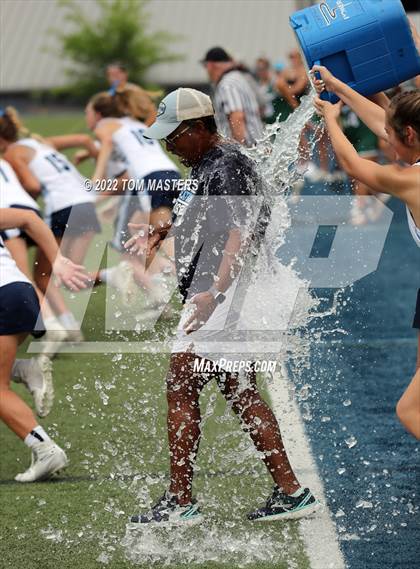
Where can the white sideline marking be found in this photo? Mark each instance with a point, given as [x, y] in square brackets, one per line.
[318, 532]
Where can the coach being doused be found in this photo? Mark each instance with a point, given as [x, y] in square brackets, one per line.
[215, 231]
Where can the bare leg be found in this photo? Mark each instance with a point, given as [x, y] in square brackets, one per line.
[418, 352]
[13, 410]
[42, 275]
[408, 407]
[75, 248]
[259, 421]
[183, 392]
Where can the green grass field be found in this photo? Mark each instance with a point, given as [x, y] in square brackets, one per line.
[109, 415]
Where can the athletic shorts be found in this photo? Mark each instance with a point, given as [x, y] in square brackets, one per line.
[162, 198]
[416, 322]
[11, 233]
[75, 220]
[128, 205]
[142, 201]
[208, 341]
[19, 310]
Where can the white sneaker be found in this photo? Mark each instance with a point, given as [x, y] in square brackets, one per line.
[36, 375]
[54, 337]
[122, 278]
[47, 459]
[74, 336]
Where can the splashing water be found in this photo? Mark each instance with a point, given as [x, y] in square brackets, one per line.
[214, 543]
[277, 302]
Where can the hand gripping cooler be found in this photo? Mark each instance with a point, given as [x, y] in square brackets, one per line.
[366, 43]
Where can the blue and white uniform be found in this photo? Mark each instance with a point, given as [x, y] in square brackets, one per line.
[19, 305]
[12, 194]
[116, 165]
[63, 189]
[415, 232]
[147, 164]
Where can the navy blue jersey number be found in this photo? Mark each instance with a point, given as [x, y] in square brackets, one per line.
[138, 134]
[3, 175]
[59, 163]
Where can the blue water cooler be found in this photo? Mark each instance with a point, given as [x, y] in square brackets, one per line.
[366, 43]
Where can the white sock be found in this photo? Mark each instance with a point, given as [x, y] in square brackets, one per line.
[37, 435]
[106, 274]
[69, 321]
[296, 494]
[52, 323]
[20, 369]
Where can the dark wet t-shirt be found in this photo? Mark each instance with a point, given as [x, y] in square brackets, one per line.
[217, 201]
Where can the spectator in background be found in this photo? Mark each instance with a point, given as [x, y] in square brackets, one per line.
[296, 76]
[366, 144]
[117, 75]
[279, 102]
[235, 101]
[298, 82]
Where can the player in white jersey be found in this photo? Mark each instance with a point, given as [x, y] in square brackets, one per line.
[397, 122]
[13, 195]
[20, 316]
[116, 121]
[116, 117]
[116, 169]
[69, 208]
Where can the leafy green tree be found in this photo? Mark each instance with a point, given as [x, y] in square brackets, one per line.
[118, 33]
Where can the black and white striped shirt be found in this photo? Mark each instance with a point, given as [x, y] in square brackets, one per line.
[235, 93]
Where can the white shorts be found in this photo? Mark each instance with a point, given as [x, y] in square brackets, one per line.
[203, 342]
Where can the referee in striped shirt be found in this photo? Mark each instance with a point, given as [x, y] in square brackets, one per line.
[235, 98]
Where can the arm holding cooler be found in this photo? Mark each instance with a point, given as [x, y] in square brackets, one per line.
[368, 45]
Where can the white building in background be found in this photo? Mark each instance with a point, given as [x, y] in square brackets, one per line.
[30, 57]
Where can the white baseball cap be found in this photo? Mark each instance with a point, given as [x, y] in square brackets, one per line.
[180, 105]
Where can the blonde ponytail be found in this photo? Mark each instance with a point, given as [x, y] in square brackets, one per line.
[10, 125]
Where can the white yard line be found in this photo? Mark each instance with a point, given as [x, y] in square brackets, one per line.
[318, 532]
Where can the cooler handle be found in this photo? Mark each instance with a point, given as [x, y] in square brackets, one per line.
[325, 96]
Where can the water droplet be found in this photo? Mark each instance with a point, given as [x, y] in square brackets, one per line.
[364, 504]
[304, 392]
[351, 441]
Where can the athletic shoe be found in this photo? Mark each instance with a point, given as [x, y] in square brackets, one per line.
[47, 459]
[36, 375]
[122, 278]
[167, 511]
[284, 507]
[54, 337]
[74, 336]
